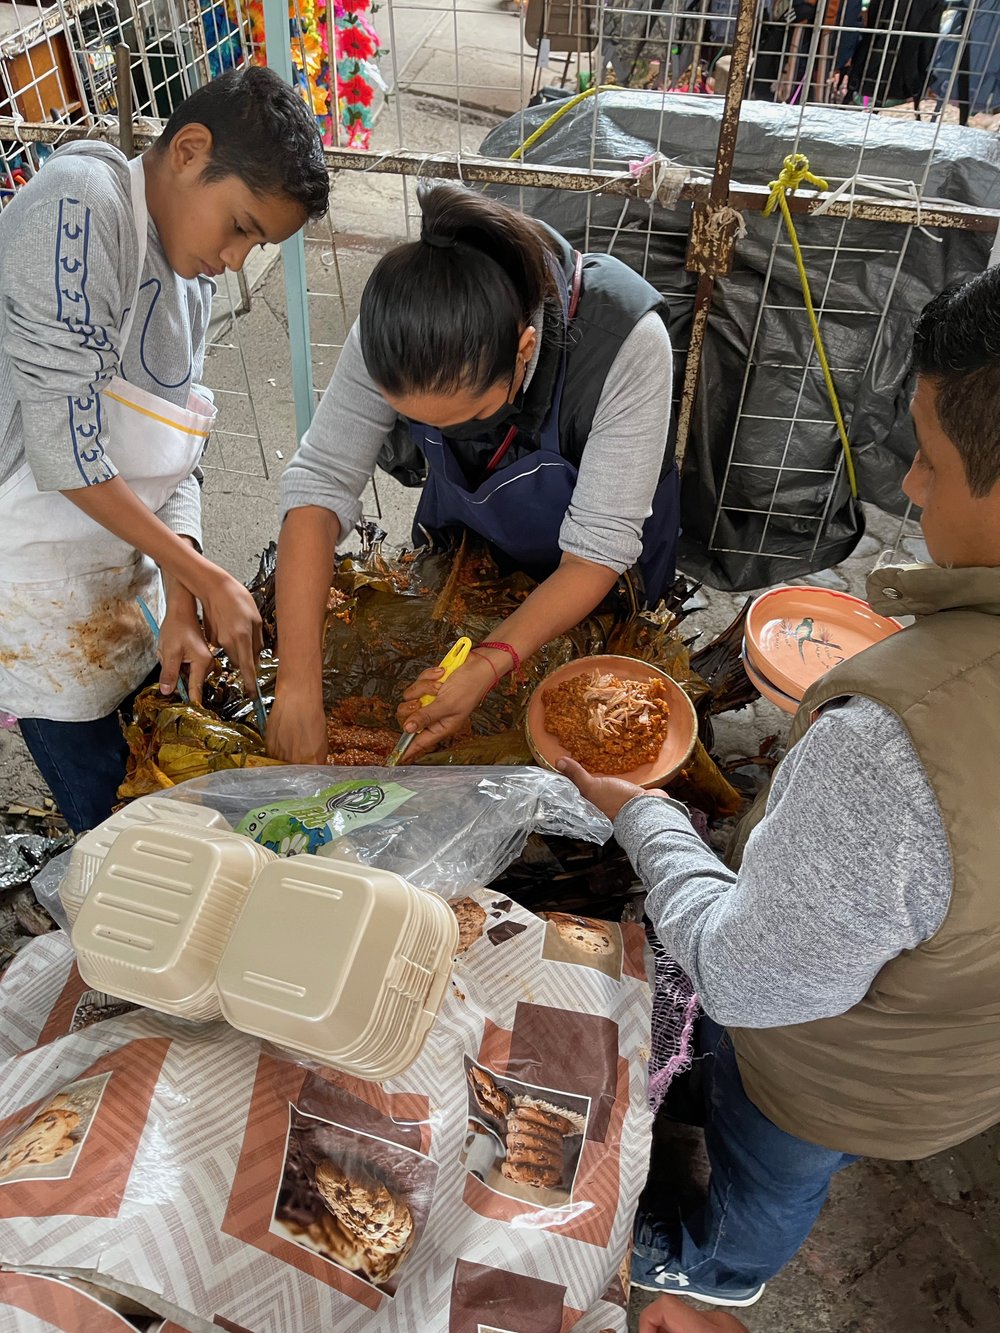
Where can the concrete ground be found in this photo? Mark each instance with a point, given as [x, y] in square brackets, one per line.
[900, 1247]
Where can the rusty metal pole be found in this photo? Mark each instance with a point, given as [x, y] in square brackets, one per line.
[713, 224]
[123, 96]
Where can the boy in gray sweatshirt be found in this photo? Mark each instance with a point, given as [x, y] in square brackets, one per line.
[106, 278]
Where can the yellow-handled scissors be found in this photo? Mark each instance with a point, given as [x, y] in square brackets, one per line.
[451, 661]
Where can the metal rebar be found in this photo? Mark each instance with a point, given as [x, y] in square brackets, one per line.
[718, 199]
[123, 96]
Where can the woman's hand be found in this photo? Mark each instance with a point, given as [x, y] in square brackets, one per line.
[608, 794]
[669, 1314]
[182, 639]
[232, 621]
[454, 702]
[296, 726]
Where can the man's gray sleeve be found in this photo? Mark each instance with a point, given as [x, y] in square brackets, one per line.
[850, 867]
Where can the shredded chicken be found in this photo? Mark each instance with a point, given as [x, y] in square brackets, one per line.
[608, 724]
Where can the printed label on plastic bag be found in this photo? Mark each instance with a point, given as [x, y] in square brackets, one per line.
[288, 827]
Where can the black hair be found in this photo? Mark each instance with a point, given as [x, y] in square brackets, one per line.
[956, 345]
[446, 313]
[262, 132]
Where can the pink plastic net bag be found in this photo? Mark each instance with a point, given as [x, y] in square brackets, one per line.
[675, 1007]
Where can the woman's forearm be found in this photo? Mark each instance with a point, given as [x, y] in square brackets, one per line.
[559, 603]
[306, 550]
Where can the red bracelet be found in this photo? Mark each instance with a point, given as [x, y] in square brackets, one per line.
[512, 652]
[496, 678]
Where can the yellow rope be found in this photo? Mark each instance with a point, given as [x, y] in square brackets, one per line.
[794, 171]
[568, 105]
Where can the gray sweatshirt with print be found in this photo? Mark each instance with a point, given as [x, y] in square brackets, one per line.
[68, 247]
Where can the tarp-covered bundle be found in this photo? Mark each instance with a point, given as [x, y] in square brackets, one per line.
[775, 487]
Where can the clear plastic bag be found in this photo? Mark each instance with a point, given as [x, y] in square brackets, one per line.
[45, 887]
[458, 826]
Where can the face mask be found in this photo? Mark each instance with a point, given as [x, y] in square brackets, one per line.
[479, 427]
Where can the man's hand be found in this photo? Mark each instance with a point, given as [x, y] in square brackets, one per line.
[669, 1314]
[608, 794]
[454, 701]
[182, 639]
[232, 621]
[296, 727]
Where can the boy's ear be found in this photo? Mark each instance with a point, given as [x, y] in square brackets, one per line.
[191, 148]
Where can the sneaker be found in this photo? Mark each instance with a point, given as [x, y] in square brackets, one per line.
[651, 1240]
[653, 1275]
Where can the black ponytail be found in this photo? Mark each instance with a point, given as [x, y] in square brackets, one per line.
[445, 313]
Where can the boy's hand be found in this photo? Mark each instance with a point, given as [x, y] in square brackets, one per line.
[296, 725]
[454, 702]
[231, 618]
[232, 621]
[608, 794]
[669, 1314]
[182, 639]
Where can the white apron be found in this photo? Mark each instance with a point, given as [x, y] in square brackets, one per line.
[73, 643]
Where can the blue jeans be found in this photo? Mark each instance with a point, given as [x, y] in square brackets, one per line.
[83, 763]
[766, 1187]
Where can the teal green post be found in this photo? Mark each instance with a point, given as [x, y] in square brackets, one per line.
[293, 252]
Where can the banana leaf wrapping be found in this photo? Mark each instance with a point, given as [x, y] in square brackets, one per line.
[169, 742]
[389, 616]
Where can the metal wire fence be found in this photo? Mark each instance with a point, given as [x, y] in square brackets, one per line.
[441, 74]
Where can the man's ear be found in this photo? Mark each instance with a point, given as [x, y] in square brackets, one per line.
[191, 148]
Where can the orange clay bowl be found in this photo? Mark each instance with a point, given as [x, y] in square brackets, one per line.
[768, 691]
[682, 724]
[796, 633]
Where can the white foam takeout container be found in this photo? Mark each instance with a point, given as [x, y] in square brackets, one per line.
[341, 962]
[159, 912]
[88, 853]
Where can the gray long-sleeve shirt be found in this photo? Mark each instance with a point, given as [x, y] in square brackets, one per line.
[618, 473]
[850, 867]
[68, 245]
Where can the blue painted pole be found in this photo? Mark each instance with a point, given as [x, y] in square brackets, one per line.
[293, 252]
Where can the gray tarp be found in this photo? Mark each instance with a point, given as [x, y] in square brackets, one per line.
[962, 165]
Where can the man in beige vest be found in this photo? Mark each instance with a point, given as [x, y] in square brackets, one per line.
[849, 969]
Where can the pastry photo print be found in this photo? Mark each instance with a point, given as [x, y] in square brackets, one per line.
[358, 1201]
[48, 1144]
[523, 1141]
[583, 942]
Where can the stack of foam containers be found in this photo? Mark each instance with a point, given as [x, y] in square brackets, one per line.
[333, 960]
[159, 913]
[89, 852]
[355, 974]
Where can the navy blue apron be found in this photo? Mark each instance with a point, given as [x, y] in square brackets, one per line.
[521, 508]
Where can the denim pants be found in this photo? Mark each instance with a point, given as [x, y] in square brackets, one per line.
[766, 1186]
[83, 763]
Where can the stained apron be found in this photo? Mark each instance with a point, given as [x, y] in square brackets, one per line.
[73, 642]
